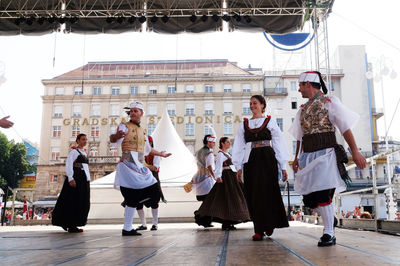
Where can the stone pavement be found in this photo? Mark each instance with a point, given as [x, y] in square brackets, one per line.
[188, 244]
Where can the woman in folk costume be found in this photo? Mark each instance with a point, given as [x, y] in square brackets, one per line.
[253, 154]
[73, 204]
[226, 202]
[153, 163]
[204, 179]
[135, 181]
[319, 160]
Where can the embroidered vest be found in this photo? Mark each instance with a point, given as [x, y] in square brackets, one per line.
[135, 139]
[256, 134]
[314, 117]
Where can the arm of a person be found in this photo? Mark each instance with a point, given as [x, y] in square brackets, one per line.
[210, 164]
[219, 165]
[239, 148]
[358, 159]
[295, 164]
[279, 146]
[69, 164]
[121, 132]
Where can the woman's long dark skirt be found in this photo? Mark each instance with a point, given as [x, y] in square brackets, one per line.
[262, 190]
[226, 202]
[73, 204]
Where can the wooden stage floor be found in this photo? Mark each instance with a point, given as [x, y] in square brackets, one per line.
[188, 244]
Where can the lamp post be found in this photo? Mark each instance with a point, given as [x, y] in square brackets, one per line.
[383, 70]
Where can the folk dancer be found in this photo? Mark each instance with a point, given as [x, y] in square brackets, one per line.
[258, 150]
[135, 181]
[226, 202]
[73, 204]
[319, 160]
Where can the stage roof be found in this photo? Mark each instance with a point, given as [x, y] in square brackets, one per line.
[36, 17]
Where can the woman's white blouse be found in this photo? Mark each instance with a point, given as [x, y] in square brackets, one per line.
[69, 164]
[241, 149]
[221, 157]
[340, 116]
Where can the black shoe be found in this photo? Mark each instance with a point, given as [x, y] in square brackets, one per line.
[225, 227]
[232, 227]
[335, 222]
[327, 240]
[65, 228]
[75, 230]
[208, 225]
[153, 227]
[142, 227]
[269, 232]
[133, 232]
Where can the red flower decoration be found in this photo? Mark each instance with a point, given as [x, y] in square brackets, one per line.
[268, 116]
[328, 100]
[245, 119]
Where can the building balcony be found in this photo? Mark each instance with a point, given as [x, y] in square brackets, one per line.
[275, 92]
[96, 160]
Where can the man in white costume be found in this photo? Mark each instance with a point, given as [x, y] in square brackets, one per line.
[135, 181]
[319, 161]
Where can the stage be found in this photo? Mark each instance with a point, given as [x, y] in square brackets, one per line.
[188, 244]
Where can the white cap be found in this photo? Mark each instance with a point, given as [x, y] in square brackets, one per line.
[138, 105]
[211, 139]
[309, 76]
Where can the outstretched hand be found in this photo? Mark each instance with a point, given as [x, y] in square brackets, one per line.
[5, 123]
[164, 154]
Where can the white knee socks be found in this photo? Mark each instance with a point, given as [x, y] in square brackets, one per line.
[129, 213]
[327, 214]
[142, 217]
[154, 212]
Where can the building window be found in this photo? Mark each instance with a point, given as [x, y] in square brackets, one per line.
[95, 110]
[227, 87]
[134, 90]
[76, 110]
[331, 86]
[53, 178]
[76, 130]
[59, 91]
[96, 90]
[94, 131]
[208, 108]
[189, 110]
[115, 91]
[171, 89]
[189, 129]
[209, 88]
[278, 88]
[114, 109]
[113, 129]
[55, 153]
[279, 121]
[150, 129]
[94, 151]
[189, 88]
[78, 91]
[207, 130]
[152, 109]
[246, 87]
[246, 108]
[57, 111]
[294, 146]
[294, 104]
[293, 85]
[113, 152]
[56, 131]
[153, 90]
[171, 108]
[227, 108]
[228, 129]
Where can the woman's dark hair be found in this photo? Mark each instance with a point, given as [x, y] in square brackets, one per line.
[221, 141]
[261, 99]
[205, 141]
[80, 136]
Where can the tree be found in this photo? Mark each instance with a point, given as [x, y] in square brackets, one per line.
[13, 164]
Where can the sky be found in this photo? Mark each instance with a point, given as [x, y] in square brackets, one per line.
[29, 59]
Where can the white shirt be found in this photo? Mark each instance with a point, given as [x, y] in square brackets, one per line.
[219, 164]
[241, 149]
[210, 160]
[340, 116]
[69, 164]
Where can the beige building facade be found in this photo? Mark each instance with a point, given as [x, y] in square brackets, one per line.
[90, 100]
